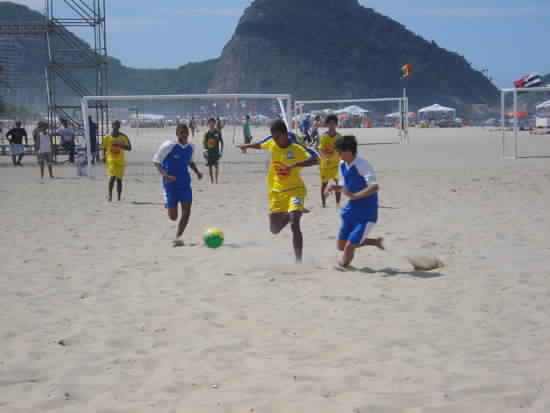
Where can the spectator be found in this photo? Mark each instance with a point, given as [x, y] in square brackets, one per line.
[15, 137]
[67, 138]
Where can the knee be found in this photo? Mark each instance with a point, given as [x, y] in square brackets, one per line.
[295, 227]
[173, 217]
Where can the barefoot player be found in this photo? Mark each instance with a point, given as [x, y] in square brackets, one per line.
[358, 183]
[115, 145]
[287, 190]
[329, 158]
[173, 160]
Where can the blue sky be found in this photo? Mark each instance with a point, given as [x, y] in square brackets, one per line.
[507, 37]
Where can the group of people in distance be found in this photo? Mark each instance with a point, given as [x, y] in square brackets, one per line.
[342, 172]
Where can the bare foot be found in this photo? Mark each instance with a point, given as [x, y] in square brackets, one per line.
[178, 242]
[380, 243]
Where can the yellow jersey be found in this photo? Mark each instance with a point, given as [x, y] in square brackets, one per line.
[278, 178]
[113, 154]
[329, 158]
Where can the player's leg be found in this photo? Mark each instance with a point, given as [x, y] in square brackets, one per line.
[50, 164]
[112, 180]
[278, 221]
[41, 163]
[211, 172]
[349, 254]
[184, 220]
[119, 187]
[297, 237]
[337, 194]
[217, 170]
[323, 198]
[20, 158]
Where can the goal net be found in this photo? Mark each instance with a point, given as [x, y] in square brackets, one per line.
[372, 120]
[525, 122]
[152, 119]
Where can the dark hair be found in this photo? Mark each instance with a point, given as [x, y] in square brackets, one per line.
[211, 120]
[279, 126]
[347, 144]
[331, 118]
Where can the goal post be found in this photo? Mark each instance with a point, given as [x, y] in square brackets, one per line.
[284, 102]
[402, 102]
[515, 92]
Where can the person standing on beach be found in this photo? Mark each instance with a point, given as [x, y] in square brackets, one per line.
[213, 145]
[287, 190]
[173, 161]
[115, 145]
[67, 139]
[15, 137]
[43, 148]
[246, 130]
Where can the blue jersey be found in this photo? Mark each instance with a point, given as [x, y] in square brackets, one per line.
[356, 177]
[175, 159]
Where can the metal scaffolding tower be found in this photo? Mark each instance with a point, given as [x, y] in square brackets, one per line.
[75, 68]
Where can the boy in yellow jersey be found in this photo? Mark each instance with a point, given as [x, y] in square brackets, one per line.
[287, 190]
[114, 146]
[329, 158]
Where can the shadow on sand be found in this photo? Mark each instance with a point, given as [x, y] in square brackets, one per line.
[392, 272]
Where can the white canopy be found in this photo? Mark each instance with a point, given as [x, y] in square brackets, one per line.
[147, 116]
[544, 105]
[436, 108]
[352, 110]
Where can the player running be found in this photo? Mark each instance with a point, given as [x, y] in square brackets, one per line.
[329, 158]
[357, 182]
[287, 190]
[173, 160]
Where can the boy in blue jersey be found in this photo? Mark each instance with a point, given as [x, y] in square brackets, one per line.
[358, 183]
[173, 160]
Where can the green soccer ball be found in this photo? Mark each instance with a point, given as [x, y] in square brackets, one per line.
[213, 238]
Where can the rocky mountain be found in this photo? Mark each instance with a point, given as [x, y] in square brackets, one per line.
[340, 49]
[310, 48]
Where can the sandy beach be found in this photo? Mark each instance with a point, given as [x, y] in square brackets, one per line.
[98, 313]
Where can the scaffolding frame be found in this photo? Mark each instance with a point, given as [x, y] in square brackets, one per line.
[69, 56]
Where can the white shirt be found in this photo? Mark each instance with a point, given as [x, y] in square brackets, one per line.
[67, 134]
[44, 143]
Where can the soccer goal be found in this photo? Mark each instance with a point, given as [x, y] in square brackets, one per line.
[525, 122]
[383, 115]
[149, 118]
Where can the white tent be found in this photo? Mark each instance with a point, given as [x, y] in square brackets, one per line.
[352, 110]
[436, 108]
[544, 105]
[147, 117]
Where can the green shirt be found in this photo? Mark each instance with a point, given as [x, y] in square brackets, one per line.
[246, 129]
[212, 142]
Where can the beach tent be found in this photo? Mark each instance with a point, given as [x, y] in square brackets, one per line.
[353, 110]
[544, 105]
[437, 109]
[437, 113]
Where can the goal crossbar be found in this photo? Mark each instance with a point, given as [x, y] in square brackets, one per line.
[284, 100]
[402, 101]
[515, 92]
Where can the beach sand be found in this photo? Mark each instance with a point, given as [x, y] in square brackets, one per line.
[98, 313]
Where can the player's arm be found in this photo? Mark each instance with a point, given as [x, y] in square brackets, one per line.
[194, 168]
[26, 137]
[365, 193]
[250, 146]
[205, 141]
[221, 143]
[8, 136]
[126, 146]
[308, 160]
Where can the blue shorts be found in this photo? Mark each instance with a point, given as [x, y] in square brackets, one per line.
[355, 232]
[173, 195]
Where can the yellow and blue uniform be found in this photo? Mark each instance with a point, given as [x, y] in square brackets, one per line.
[329, 159]
[287, 190]
[115, 160]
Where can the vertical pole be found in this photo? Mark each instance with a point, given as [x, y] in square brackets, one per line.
[515, 124]
[502, 121]
[400, 120]
[87, 135]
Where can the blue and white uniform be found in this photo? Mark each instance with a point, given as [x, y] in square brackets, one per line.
[175, 159]
[358, 216]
